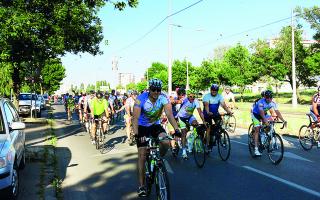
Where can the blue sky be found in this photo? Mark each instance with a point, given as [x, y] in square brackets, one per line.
[204, 27]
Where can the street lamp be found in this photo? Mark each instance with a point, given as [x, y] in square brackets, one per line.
[187, 86]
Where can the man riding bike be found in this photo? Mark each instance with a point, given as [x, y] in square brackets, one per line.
[70, 107]
[146, 122]
[185, 116]
[129, 111]
[99, 107]
[211, 102]
[81, 105]
[259, 114]
[228, 97]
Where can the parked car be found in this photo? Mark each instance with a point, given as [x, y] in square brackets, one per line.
[46, 98]
[29, 102]
[42, 102]
[12, 149]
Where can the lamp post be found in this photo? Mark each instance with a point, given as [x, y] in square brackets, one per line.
[187, 86]
[169, 50]
[294, 86]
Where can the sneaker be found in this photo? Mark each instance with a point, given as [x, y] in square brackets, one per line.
[184, 154]
[142, 192]
[93, 142]
[257, 152]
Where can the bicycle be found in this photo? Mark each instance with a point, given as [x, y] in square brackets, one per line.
[99, 136]
[268, 140]
[229, 123]
[309, 134]
[198, 147]
[221, 137]
[156, 172]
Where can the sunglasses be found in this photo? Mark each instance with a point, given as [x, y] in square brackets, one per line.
[153, 89]
[191, 96]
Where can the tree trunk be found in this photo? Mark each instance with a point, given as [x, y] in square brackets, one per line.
[16, 84]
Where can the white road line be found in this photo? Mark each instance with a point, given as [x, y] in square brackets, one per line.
[239, 142]
[294, 185]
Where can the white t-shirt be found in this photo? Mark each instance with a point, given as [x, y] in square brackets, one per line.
[227, 97]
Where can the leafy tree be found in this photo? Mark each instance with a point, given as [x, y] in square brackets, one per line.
[160, 71]
[5, 79]
[52, 74]
[131, 86]
[90, 87]
[142, 86]
[119, 87]
[220, 51]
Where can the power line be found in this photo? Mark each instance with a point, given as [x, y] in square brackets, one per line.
[158, 24]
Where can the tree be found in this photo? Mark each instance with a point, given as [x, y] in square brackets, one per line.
[160, 71]
[5, 78]
[33, 32]
[312, 15]
[220, 51]
[131, 86]
[141, 86]
[52, 74]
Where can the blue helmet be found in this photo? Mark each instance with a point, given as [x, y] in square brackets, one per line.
[157, 83]
[214, 87]
[268, 94]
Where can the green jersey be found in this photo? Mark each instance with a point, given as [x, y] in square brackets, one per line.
[99, 106]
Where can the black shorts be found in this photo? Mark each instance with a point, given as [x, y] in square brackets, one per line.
[217, 119]
[147, 131]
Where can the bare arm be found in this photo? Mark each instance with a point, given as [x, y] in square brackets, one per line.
[168, 111]
[201, 114]
[136, 115]
[206, 107]
[224, 106]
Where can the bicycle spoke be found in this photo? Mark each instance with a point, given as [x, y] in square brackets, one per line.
[224, 146]
[306, 137]
[275, 149]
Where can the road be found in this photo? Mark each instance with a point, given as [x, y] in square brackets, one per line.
[89, 174]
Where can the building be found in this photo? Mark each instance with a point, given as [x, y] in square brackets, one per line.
[125, 78]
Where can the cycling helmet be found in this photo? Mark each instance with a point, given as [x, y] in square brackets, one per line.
[268, 94]
[214, 87]
[134, 92]
[262, 93]
[157, 83]
[181, 91]
[113, 91]
[91, 92]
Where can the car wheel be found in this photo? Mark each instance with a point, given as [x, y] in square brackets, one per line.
[13, 190]
[23, 160]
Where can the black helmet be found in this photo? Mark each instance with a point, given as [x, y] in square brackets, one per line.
[214, 87]
[157, 83]
[91, 92]
[181, 91]
[262, 93]
[268, 94]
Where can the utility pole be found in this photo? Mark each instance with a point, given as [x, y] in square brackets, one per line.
[169, 49]
[294, 85]
[187, 86]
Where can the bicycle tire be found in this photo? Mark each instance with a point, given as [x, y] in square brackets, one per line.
[199, 152]
[306, 137]
[224, 144]
[251, 140]
[148, 178]
[101, 143]
[274, 145]
[97, 139]
[162, 183]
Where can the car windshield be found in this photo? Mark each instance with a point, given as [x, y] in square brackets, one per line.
[27, 97]
[45, 96]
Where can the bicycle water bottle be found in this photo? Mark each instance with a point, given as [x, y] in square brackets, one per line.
[263, 136]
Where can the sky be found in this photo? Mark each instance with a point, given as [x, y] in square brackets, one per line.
[195, 33]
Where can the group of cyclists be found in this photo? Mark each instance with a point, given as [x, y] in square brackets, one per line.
[145, 112]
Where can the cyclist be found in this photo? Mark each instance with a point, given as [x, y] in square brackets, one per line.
[99, 107]
[185, 116]
[146, 122]
[82, 102]
[259, 113]
[228, 97]
[315, 107]
[128, 116]
[211, 103]
[70, 106]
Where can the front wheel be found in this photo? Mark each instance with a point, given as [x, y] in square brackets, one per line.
[231, 124]
[224, 145]
[251, 140]
[162, 184]
[306, 137]
[275, 149]
[199, 153]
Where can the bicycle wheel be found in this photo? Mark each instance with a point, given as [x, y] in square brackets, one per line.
[148, 178]
[224, 145]
[275, 149]
[199, 153]
[101, 142]
[162, 183]
[231, 124]
[97, 139]
[251, 140]
[306, 137]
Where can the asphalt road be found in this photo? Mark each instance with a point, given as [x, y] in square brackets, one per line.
[89, 174]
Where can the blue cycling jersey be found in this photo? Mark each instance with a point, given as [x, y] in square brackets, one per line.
[150, 112]
[214, 103]
[187, 108]
[262, 103]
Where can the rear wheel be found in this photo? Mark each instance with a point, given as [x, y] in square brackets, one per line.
[275, 149]
[224, 145]
[162, 183]
[199, 152]
[306, 137]
[97, 139]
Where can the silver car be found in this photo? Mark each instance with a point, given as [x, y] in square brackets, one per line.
[12, 149]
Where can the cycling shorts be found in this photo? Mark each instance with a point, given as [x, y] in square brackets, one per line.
[148, 131]
[184, 121]
[217, 119]
[256, 119]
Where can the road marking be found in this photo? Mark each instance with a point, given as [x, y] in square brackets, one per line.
[294, 185]
[168, 167]
[239, 142]
[295, 156]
